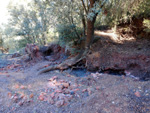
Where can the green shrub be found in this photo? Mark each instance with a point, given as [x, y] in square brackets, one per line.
[69, 34]
[22, 43]
[146, 24]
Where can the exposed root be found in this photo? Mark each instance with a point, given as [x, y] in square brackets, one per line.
[64, 65]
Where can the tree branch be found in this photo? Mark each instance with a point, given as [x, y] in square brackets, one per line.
[84, 6]
[88, 6]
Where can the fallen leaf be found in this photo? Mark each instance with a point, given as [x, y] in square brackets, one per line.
[58, 91]
[137, 94]
[41, 98]
[16, 86]
[76, 90]
[84, 90]
[66, 85]
[31, 95]
[9, 95]
[22, 87]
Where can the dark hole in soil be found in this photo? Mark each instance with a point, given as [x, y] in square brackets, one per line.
[83, 72]
[48, 52]
[118, 72]
[78, 72]
[146, 77]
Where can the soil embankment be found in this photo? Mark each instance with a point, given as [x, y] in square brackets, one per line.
[80, 91]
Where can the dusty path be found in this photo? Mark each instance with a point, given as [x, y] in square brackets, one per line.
[61, 92]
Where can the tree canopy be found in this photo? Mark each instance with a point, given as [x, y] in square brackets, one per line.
[70, 21]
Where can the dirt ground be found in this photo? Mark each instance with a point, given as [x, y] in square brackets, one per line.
[71, 91]
[23, 91]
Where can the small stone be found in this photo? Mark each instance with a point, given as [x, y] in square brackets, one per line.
[20, 103]
[31, 95]
[41, 98]
[61, 86]
[98, 88]
[72, 92]
[9, 95]
[75, 90]
[22, 87]
[65, 104]
[137, 94]
[58, 91]
[16, 86]
[51, 101]
[68, 75]
[61, 81]
[52, 95]
[67, 91]
[22, 95]
[15, 99]
[54, 82]
[69, 97]
[66, 85]
[123, 76]
[29, 86]
[113, 102]
[57, 95]
[90, 90]
[84, 90]
[59, 103]
[61, 96]
[55, 77]
[146, 94]
[13, 108]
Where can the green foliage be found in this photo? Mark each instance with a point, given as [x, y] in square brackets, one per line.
[22, 43]
[146, 23]
[1, 39]
[68, 34]
[142, 9]
[36, 21]
[30, 22]
[120, 11]
[1, 42]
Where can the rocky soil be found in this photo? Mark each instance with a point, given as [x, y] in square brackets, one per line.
[78, 90]
[23, 91]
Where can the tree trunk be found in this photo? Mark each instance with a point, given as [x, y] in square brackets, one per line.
[84, 25]
[90, 27]
[90, 33]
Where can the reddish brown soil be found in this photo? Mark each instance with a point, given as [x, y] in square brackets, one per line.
[23, 91]
[26, 92]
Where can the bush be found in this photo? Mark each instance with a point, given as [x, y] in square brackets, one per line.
[69, 34]
[146, 24]
[22, 43]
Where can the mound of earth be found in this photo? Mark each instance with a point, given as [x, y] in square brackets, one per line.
[111, 52]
